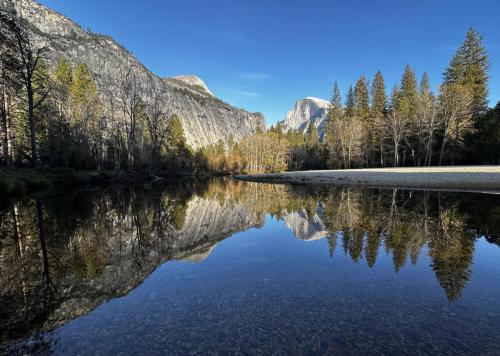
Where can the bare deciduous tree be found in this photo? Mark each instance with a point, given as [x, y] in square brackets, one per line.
[10, 82]
[157, 120]
[131, 102]
[455, 102]
[30, 56]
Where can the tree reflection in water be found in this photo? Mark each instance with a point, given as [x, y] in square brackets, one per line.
[62, 256]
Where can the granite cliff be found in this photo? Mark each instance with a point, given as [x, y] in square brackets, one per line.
[307, 110]
[205, 118]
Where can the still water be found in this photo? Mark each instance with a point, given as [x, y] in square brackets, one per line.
[226, 267]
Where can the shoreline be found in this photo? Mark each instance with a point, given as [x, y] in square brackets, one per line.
[18, 182]
[459, 178]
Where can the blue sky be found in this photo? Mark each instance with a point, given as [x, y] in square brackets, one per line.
[262, 55]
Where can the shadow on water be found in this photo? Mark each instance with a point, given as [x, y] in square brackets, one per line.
[64, 255]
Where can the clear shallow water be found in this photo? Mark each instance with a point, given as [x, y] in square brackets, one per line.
[232, 267]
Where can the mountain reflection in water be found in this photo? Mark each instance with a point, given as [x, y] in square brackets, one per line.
[62, 256]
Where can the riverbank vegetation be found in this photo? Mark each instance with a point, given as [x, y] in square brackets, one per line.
[58, 117]
[17, 182]
[410, 126]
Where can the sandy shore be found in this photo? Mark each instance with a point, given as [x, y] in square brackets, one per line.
[475, 178]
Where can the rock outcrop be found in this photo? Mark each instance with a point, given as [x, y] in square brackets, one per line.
[205, 118]
[307, 110]
[193, 81]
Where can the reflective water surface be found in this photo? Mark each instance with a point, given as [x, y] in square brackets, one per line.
[227, 267]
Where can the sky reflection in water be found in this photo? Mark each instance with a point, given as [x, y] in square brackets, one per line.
[305, 270]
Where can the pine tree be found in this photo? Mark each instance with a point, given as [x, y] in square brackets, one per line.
[350, 103]
[84, 107]
[427, 111]
[180, 156]
[379, 97]
[408, 92]
[83, 94]
[408, 108]
[86, 117]
[362, 99]
[176, 133]
[334, 115]
[336, 101]
[64, 74]
[362, 113]
[63, 80]
[312, 138]
[487, 138]
[82, 84]
[469, 67]
[312, 147]
[378, 111]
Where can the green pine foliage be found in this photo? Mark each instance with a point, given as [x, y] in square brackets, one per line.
[469, 67]
[379, 97]
[350, 102]
[378, 111]
[408, 96]
[361, 99]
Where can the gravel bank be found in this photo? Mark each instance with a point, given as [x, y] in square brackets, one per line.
[475, 178]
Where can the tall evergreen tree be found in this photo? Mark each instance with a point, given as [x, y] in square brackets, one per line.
[408, 108]
[334, 112]
[350, 103]
[427, 112]
[487, 138]
[336, 101]
[379, 96]
[176, 134]
[362, 98]
[334, 116]
[409, 93]
[362, 113]
[469, 67]
[378, 111]
[63, 80]
[312, 138]
[64, 73]
[83, 92]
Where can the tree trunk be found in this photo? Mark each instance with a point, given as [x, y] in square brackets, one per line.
[441, 154]
[381, 153]
[31, 120]
[396, 153]
[7, 145]
[428, 156]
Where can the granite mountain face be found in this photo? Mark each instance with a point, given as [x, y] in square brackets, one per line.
[307, 110]
[205, 118]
